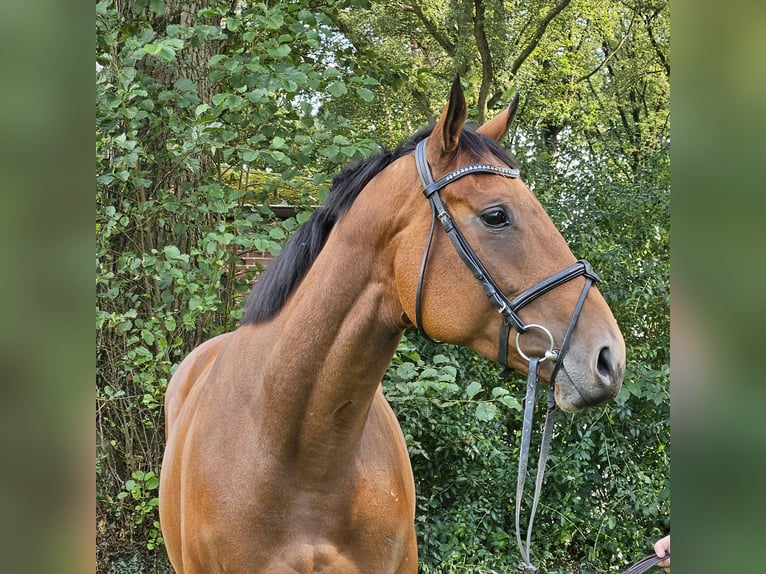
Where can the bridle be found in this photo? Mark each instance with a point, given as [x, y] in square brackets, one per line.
[509, 309]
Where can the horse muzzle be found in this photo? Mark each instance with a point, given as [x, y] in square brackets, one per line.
[590, 379]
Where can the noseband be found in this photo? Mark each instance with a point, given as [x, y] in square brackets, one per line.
[509, 309]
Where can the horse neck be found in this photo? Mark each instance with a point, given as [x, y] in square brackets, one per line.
[331, 344]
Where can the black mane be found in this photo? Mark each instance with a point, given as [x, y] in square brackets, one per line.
[288, 269]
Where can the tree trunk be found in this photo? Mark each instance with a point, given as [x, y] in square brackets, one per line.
[485, 55]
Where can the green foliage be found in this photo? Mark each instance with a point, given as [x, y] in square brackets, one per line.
[199, 130]
[141, 489]
[606, 491]
[454, 427]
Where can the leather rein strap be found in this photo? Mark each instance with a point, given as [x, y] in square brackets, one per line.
[509, 310]
[646, 564]
[545, 445]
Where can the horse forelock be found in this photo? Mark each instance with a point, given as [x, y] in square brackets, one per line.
[480, 146]
[283, 275]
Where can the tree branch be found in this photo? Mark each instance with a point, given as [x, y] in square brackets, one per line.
[660, 54]
[610, 54]
[537, 36]
[486, 58]
[440, 38]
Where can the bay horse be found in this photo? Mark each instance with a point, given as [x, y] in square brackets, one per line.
[282, 453]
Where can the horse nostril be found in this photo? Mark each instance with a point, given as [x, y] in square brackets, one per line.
[604, 364]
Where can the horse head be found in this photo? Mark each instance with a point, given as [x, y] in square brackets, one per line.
[506, 240]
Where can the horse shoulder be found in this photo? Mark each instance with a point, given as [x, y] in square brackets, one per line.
[389, 424]
[191, 370]
[393, 493]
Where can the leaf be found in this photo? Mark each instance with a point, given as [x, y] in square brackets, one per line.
[406, 371]
[330, 152]
[185, 85]
[172, 252]
[472, 389]
[258, 95]
[276, 233]
[280, 157]
[511, 402]
[278, 143]
[216, 59]
[448, 374]
[281, 51]
[157, 6]
[248, 155]
[274, 20]
[485, 411]
[341, 140]
[211, 246]
[366, 94]
[337, 89]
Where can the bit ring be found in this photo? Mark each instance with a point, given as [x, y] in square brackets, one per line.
[549, 354]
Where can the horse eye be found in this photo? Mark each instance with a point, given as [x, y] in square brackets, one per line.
[495, 218]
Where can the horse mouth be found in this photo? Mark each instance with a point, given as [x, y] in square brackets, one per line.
[574, 394]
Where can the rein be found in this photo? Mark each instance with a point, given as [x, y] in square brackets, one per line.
[509, 309]
[646, 564]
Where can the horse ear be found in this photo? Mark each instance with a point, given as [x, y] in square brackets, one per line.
[447, 130]
[497, 127]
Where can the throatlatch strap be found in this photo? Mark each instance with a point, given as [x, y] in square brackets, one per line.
[502, 350]
[421, 279]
